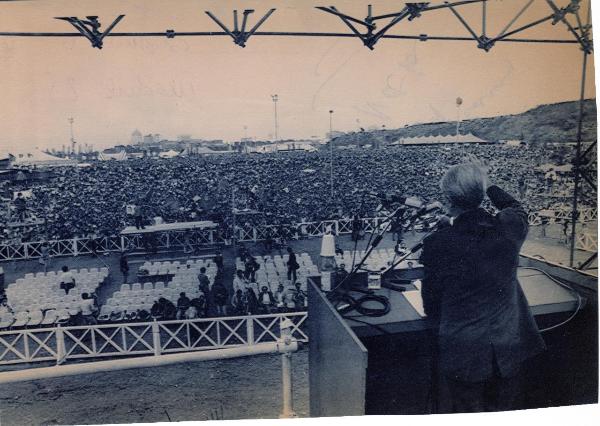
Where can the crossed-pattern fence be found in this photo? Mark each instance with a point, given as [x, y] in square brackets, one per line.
[587, 241]
[62, 344]
[177, 239]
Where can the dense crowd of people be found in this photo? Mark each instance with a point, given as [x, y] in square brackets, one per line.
[279, 188]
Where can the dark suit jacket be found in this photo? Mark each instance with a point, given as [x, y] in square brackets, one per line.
[471, 289]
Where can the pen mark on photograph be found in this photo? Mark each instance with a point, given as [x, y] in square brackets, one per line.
[331, 76]
[406, 67]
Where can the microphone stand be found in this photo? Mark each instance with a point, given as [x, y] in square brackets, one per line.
[373, 242]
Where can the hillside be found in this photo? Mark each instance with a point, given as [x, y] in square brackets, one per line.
[545, 123]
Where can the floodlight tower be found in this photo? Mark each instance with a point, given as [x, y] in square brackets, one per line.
[275, 98]
[71, 120]
[459, 102]
[331, 151]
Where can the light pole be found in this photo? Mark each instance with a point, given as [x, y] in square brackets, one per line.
[331, 150]
[245, 139]
[275, 98]
[459, 102]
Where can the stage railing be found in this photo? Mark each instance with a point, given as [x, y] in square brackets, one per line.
[587, 241]
[62, 344]
[179, 239]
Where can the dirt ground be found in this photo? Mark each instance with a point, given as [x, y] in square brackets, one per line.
[242, 388]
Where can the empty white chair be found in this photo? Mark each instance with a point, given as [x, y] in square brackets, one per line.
[125, 288]
[35, 318]
[50, 317]
[21, 319]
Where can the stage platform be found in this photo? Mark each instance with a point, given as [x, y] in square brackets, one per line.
[385, 365]
[544, 295]
[167, 227]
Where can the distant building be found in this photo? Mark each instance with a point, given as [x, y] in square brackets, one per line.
[136, 137]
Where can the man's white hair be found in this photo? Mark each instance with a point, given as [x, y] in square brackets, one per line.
[464, 185]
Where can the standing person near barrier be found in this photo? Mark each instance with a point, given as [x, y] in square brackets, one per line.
[356, 227]
[138, 216]
[250, 268]
[470, 289]
[21, 207]
[124, 267]
[45, 255]
[219, 262]
[219, 297]
[204, 282]
[292, 265]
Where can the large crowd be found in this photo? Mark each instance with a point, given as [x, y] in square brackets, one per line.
[278, 188]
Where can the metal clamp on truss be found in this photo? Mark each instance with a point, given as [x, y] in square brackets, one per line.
[90, 28]
[370, 37]
[560, 15]
[485, 43]
[240, 36]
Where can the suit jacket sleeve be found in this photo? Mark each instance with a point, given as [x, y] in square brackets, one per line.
[512, 217]
[431, 286]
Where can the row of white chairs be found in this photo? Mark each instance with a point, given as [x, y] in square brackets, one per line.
[169, 268]
[34, 318]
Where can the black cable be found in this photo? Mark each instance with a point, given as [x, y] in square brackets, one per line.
[567, 287]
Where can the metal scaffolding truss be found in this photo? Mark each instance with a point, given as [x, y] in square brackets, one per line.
[365, 29]
[374, 28]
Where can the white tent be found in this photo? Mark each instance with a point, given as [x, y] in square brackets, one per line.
[38, 158]
[169, 154]
[435, 140]
[118, 156]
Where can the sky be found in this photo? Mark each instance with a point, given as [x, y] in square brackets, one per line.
[211, 88]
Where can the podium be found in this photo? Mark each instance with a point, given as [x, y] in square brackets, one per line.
[386, 365]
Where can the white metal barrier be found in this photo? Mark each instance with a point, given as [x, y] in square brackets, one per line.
[176, 239]
[62, 344]
[587, 241]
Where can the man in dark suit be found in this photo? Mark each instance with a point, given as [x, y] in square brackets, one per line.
[470, 289]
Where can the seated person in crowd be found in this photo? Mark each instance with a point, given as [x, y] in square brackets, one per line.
[280, 297]
[251, 301]
[238, 303]
[299, 298]
[239, 282]
[266, 301]
[88, 309]
[183, 304]
[67, 280]
[169, 309]
[250, 268]
[156, 311]
[191, 312]
[289, 300]
[199, 303]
